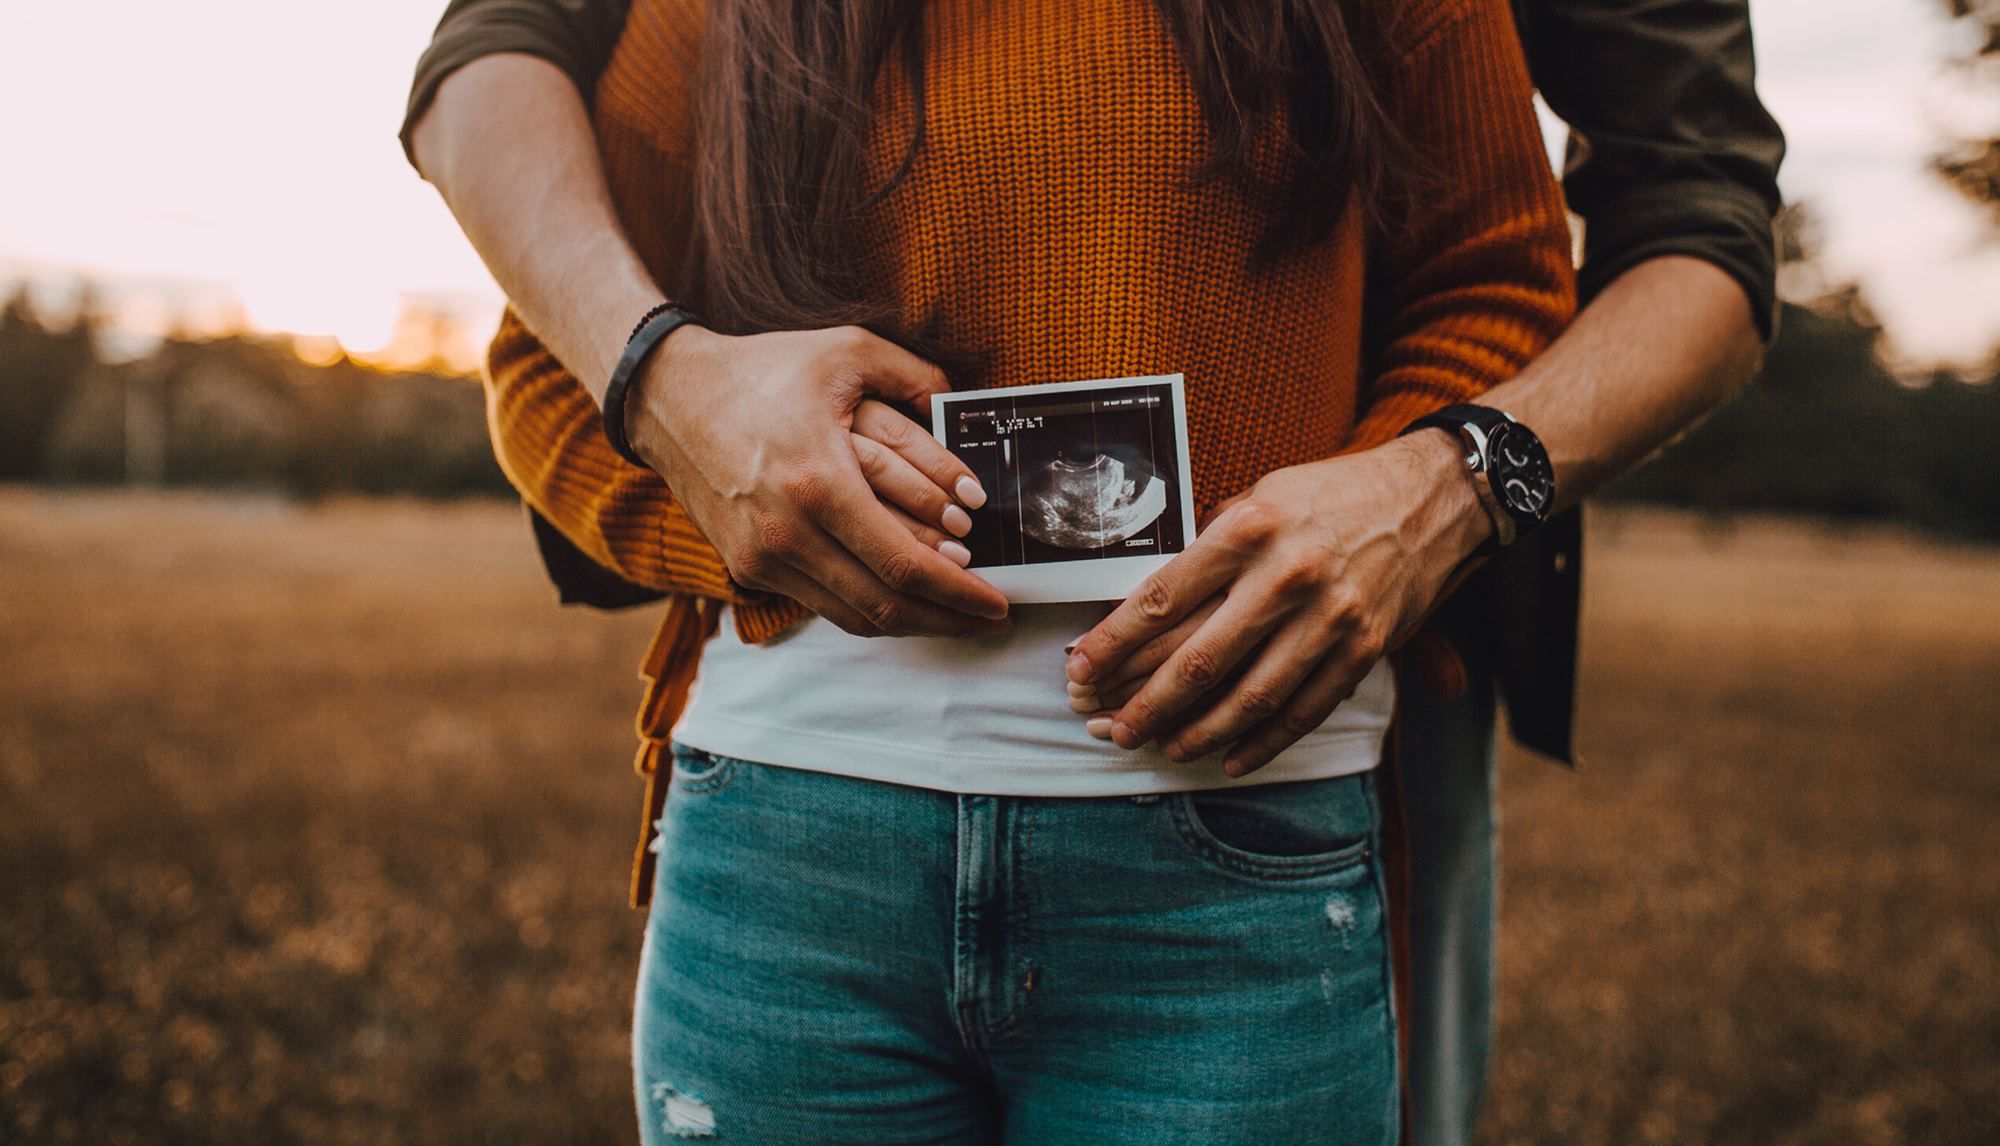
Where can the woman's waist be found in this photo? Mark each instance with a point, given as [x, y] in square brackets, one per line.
[975, 715]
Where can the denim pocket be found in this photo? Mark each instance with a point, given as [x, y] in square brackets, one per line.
[698, 773]
[1295, 829]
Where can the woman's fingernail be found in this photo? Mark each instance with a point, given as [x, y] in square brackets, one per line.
[1123, 736]
[970, 492]
[1077, 668]
[959, 554]
[1098, 726]
[957, 521]
[1076, 689]
[1085, 703]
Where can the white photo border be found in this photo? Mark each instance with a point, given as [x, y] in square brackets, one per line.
[1105, 579]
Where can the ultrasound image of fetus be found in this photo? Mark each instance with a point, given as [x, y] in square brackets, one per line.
[1091, 501]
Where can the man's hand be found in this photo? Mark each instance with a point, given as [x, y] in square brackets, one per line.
[1271, 618]
[773, 446]
[765, 439]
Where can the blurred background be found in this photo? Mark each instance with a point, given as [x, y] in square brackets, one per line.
[315, 812]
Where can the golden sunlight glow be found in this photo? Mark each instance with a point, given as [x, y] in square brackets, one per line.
[316, 350]
[249, 149]
[359, 319]
[233, 163]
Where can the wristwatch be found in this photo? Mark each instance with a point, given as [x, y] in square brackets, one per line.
[1508, 465]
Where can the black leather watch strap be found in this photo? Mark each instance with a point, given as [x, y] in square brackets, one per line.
[1449, 418]
[653, 328]
[1488, 422]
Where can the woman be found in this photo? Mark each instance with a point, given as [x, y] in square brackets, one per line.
[971, 884]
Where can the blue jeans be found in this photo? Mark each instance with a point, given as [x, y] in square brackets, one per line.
[1446, 757]
[831, 959]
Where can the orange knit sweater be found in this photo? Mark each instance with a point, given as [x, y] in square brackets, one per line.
[1047, 225]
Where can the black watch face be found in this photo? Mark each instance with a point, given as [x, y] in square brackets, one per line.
[1519, 469]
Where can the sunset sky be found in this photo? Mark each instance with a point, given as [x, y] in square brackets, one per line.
[221, 161]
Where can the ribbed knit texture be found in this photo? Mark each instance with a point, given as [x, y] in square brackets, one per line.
[1048, 225]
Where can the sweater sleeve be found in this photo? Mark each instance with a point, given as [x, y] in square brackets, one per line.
[549, 438]
[1476, 278]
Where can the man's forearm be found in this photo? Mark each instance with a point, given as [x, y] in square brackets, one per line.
[508, 143]
[1661, 346]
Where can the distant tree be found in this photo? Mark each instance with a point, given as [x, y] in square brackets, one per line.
[40, 364]
[1828, 430]
[1973, 165]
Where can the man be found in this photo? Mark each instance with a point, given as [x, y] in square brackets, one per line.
[1672, 167]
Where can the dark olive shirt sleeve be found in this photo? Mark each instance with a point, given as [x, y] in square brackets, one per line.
[575, 35]
[1671, 151]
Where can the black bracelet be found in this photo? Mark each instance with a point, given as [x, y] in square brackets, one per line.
[652, 312]
[653, 328]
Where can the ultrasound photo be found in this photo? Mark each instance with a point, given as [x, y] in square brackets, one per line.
[1087, 483]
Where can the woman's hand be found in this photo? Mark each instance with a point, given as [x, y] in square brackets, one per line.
[1271, 618]
[773, 446]
[911, 473]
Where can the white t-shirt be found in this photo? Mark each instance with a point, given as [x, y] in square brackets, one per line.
[972, 716]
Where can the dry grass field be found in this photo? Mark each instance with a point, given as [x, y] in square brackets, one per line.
[314, 827]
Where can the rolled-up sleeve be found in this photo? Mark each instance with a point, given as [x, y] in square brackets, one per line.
[1671, 151]
[575, 35]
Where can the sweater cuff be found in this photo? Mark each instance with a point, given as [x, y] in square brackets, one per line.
[1387, 417]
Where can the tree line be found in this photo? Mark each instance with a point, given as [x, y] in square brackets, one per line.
[236, 412]
[1826, 429]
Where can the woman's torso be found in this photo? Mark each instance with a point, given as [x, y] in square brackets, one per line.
[1048, 226]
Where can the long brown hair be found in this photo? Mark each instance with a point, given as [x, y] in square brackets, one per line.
[784, 92]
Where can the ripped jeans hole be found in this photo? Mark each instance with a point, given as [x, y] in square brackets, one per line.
[1340, 913]
[683, 1115]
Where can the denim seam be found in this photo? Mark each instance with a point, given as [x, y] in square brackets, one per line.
[964, 954]
[1386, 969]
[1272, 869]
[1020, 929]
